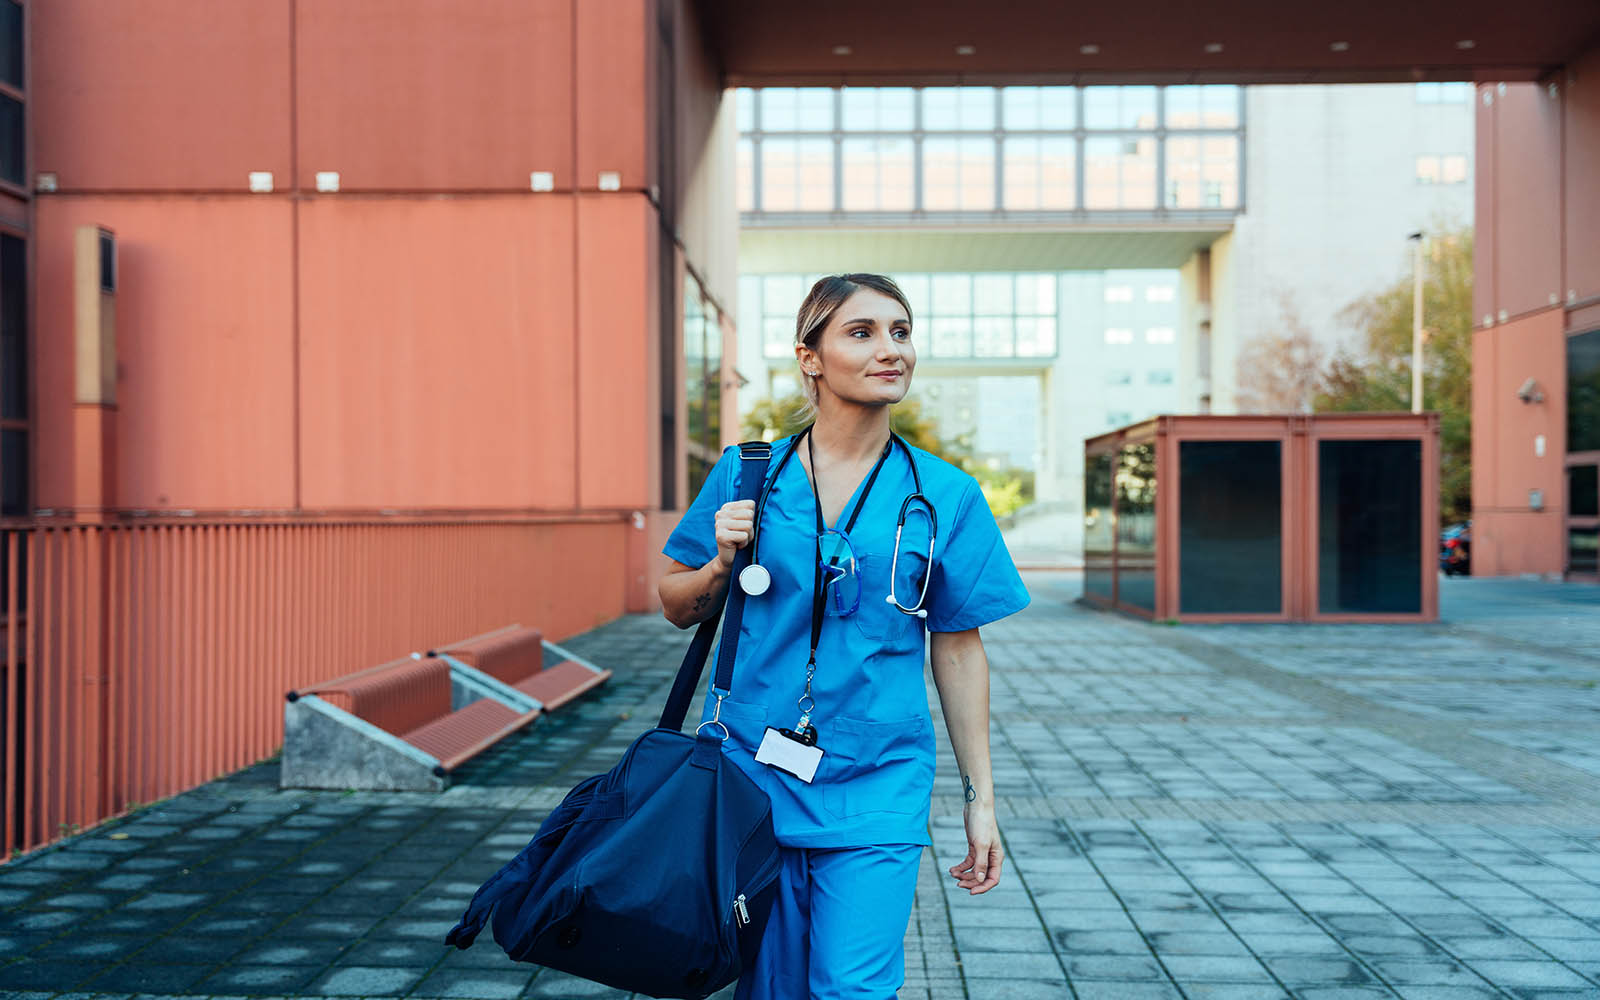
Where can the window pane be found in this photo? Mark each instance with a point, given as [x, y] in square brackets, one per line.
[1427, 170]
[797, 175]
[1583, 491]
[958, 109]
[1583, 550]
[958, 175]
[1097, 526]
[991, 294]
[777, 337]
[745, 175]
[13, 328]
[1369, 526]
[952, 337]
[1202, 173]
[11, 139]
[878, 175]
[877, 109]
[797, 109]
[1583, 392]
[11, 42]
[1213, 106]
[1136, 526]
[1454, 169]
[14, 473]
[1119, 107]
[744, 108]
[1036, 337]
[1039, 108]
[1119, 173]
[992, 337]
[1036, 295]
[1039, 174]
[1230, 538]
[952, 295]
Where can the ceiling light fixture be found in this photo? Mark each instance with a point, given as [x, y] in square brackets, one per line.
[966, 50]
[1089, 50]
[1213, 47]
[1339, 47]
[1466, 43]
[842, 50]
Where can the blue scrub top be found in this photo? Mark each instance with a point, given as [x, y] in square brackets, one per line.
[875, 780]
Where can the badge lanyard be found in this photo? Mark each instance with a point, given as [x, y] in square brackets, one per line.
[807, 703]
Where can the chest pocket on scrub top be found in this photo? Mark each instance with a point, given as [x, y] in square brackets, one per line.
[875, 618]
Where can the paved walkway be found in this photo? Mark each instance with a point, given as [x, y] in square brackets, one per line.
[1203, 812]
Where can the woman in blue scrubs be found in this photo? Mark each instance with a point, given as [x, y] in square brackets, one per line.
[852, 836]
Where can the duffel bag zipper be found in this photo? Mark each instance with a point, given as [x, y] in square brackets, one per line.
[741, 911]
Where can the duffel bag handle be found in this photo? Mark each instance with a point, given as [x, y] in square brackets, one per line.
[753, 459]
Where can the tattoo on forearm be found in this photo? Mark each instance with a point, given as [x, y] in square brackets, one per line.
[701, 602]
[971, 793]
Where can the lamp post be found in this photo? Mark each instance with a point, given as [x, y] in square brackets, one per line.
[1416, 325]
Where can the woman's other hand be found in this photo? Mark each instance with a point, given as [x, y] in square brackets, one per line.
[735, 521]
[979, 871]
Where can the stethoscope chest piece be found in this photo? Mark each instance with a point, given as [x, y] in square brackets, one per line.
[754, 579]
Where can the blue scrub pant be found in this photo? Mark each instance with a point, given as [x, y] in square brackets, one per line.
[838, 925]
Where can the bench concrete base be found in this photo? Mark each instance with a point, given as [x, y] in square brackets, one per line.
[327, 747]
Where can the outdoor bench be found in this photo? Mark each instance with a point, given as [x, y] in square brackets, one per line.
[407, 724]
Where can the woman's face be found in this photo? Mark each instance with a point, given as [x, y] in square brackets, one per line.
[864, 353]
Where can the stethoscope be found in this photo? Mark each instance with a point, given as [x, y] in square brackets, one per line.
[755, 580]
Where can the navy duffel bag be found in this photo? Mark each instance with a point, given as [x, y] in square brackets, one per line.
[657, 876]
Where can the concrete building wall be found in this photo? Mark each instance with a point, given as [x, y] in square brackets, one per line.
[1331, 195]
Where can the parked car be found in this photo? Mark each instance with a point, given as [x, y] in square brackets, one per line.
[1455, 549]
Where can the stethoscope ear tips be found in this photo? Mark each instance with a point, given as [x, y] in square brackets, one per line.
[920, 612]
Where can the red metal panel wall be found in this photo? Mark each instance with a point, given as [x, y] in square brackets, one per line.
[161, 94]
[617, 425]
[174, 671]
[436, 351]
[1507, 536]
[1527, 197]
[1582, 82]
[204, 307]
[437, 94]
[611, 97]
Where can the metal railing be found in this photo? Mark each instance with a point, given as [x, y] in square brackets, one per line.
[140, 660]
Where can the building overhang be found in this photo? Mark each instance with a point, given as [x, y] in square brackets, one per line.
[932, 42]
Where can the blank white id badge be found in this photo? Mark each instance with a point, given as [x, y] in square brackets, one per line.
[788, 754]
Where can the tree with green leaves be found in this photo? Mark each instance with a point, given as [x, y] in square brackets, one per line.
[1377, 374]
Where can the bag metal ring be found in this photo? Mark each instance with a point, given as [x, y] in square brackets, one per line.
[714, 722]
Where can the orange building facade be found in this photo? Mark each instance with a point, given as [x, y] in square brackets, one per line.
[352, 328]
[1536, 349]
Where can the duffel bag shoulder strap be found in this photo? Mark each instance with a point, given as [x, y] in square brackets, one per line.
[753, 459]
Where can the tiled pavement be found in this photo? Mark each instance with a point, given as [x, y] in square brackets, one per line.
[1204, 812]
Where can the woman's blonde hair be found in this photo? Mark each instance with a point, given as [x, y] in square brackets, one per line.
[824, 299]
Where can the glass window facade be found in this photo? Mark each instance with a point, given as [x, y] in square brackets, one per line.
[702, 356]
[954, 314]
[1369, 531]
[1097, 527]
[1583, 392]
[987, 150]
[11, 43]
[1136, 526]
[1230, 527]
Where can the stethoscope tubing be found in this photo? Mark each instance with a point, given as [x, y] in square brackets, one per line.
[755, 578]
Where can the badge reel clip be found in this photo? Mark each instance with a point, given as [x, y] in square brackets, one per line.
[793, 751]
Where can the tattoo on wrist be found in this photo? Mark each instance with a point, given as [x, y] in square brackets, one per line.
[701, 602]
[970, 792]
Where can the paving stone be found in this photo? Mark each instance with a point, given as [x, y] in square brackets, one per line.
[367, 980]
[1088, 989]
